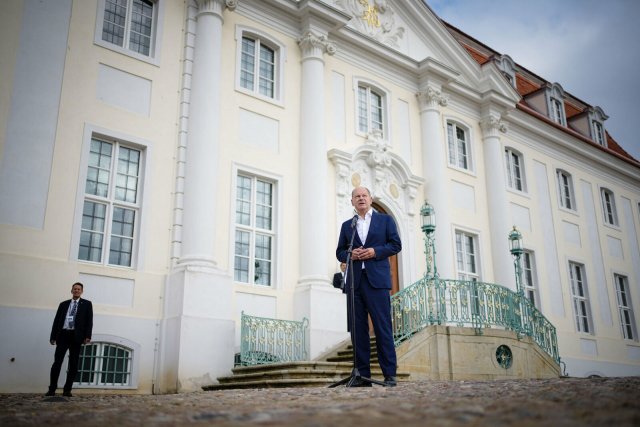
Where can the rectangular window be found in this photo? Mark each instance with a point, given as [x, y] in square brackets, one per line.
[581, 307]
[129, 24]
[458, 146]
[529, 278]
[565, 190]
[625, 308]
[104, 364]
[254, 231]
[258, 67]
[370, 110]
[111, 204]
[513, 162]
[609, 207]
[466, 256]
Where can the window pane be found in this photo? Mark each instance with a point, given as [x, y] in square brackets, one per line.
[127, 179]
[267, 71]
[92, 231]
[363, 110]
[247, 63]
[243, 200]
[98, 171]
[141, 23]
[241, 262]
[262, 273]
[86, 364]
[263, 205]
[376, 111]
[115, 15]
[121, 246]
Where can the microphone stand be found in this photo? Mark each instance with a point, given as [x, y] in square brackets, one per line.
[355, 378]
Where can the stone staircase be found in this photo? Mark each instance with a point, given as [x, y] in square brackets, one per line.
[333, 367]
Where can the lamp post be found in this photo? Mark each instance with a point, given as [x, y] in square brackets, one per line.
[515, 247]
[428, 217]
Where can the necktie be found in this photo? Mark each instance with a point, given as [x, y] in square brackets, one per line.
[74, 308]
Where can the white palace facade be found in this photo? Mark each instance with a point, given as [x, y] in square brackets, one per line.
[190, 160]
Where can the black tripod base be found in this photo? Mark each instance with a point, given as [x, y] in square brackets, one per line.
[356, 380]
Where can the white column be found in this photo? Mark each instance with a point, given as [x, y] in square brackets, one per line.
[315, 298]
[199, 218]
[314, 227]
[434, 167]
[498, 206]
[198, 328]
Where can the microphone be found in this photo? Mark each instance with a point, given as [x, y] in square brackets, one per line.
[354, 220]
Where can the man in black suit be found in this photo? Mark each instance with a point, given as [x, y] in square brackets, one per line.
[338, 278]
[71, 328]
[375, 240]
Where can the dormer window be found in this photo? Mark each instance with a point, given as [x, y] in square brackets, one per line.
[597, 117]
[598, 133]
[556, 104]
[508, 68]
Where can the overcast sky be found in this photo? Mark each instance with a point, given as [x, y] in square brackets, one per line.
[590, 47]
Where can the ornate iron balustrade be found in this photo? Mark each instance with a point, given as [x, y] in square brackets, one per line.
[479, 305]
[265, 340]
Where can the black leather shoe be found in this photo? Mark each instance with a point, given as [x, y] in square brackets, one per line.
[67, 394]
[390, 381]
[50, 393]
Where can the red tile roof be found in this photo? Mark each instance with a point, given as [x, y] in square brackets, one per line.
[526, 86]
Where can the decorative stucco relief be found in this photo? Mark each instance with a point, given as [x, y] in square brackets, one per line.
[374, 18]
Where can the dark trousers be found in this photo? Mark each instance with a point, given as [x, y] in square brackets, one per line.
[376, 303]
[66, 341]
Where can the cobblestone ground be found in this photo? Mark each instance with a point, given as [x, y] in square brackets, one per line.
[522, 403]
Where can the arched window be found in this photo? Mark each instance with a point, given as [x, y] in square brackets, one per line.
[105, 364]
[514, 165]
[459, 145]
[260, 64]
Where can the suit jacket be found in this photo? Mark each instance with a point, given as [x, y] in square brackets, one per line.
[337, 281]
[383, 238]
[83, 320]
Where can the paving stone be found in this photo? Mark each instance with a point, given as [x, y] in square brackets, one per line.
[561, 402]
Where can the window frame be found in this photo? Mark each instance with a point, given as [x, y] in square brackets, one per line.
[279, 52]
[156, 32]
[609, 208]
[512, 176]
[624, 303]
[453, 159]
[253, 230]
[137, 259]
[134, 362]
[462, 273]
[562, 195]
[598, 133]
[530, 278]
[371, 88]
[580, 298]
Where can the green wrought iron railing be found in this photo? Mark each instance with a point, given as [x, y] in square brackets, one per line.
[479, 305]
[265, 340]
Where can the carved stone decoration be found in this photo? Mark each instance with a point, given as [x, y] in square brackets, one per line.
[493, 124]
[215, 7]
[431, 97]
[374, 18]
[313, 45]
[379, 155]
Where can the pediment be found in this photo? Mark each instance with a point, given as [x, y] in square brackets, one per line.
[412, 29]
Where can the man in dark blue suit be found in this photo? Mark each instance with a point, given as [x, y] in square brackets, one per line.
[71, 328]
[375, 240]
